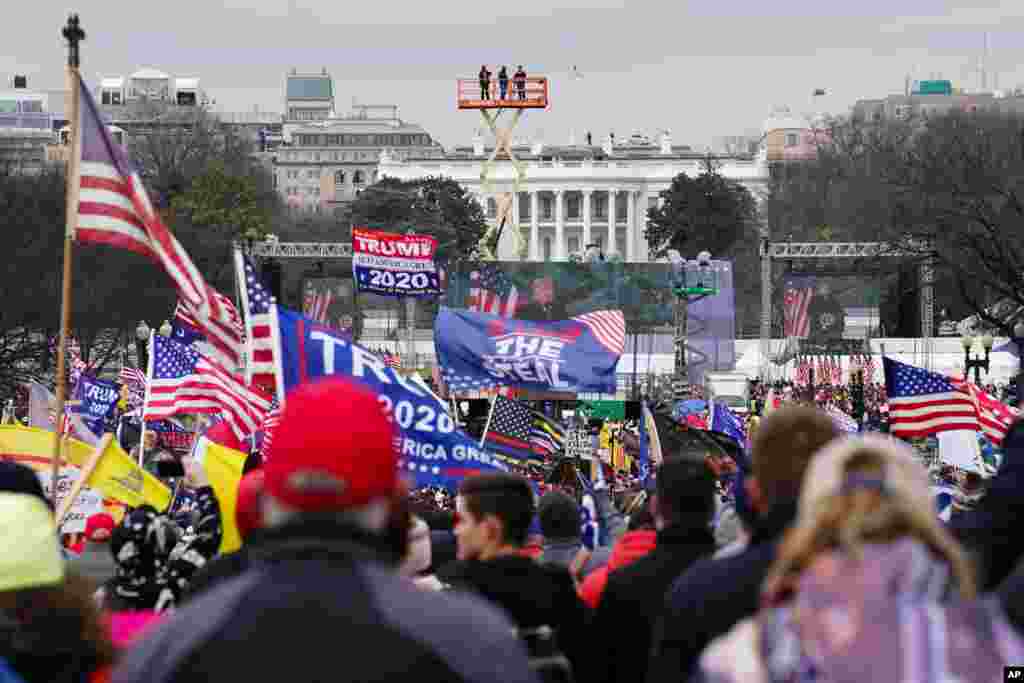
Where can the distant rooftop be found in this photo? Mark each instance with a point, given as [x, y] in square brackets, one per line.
[310, 87]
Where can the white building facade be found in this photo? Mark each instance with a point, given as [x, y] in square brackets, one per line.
[576, 195]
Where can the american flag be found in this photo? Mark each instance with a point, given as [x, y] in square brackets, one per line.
[995, 416]
[609, 327]
[393, 360]
[492, 291]
[223, 347]
[186, 381]
[114, 209]
[260, 325]
[135, 380]
[546, 436]
[270, 423]
[509, 429]
[796, 305]
[315, 304]
[923, 402]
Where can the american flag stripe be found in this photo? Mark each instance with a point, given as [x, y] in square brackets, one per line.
[105, 217]
[485, 300]
[922, 402]
[609, 327]
[796, 308]
[995, 417]
[260, 320]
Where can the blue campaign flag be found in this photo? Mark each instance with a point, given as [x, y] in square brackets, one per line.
[480, 351]
[96, 401]
[724, 421]
[432, 449]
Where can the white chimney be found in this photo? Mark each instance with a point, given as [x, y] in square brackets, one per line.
[666, 142]
[478, 145]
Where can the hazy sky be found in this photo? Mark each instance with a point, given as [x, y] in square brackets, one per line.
[701, 69]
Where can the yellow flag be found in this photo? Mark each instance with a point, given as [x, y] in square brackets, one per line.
[223, 467]
[116, 475]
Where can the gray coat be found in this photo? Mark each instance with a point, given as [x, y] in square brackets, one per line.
[96, 563]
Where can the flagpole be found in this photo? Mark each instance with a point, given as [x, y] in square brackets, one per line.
[241, 291]
[275, 336]
[487, 425]
[74, 35]
[145, 396]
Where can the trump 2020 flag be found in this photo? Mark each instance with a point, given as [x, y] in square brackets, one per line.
[394, 265]
[482, 351]
[430, 447]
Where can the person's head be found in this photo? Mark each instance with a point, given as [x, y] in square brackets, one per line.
[47, 610]
[334, 456]
[99, 528]
[142, 542]
[861, 491]
[493, 514]
[559, 516]
[248, 506]
[149, 440]
[18, 478]
[784, 445]
[684, 492]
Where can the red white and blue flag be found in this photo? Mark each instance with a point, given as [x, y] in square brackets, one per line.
[492, 291]
[923, 402]
[260, 324]
[389, 264]
[185, 381]
[796, 306]
[114, 209]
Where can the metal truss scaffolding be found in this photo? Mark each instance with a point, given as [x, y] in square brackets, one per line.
[846, 258]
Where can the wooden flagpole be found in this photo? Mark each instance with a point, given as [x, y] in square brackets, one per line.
[74, 35]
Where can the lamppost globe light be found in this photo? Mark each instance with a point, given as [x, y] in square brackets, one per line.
[165, 329]
[142, 331]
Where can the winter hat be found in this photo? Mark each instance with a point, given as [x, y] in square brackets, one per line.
[29, 552]
[903, 475]
[99, 527]
[247, 505]
[18, 478]
[333, 449]
[559, 516]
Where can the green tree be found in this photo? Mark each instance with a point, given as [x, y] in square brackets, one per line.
[216, 208]
[439, 207]
[709, 212]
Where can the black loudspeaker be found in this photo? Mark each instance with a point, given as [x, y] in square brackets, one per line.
[272, 276]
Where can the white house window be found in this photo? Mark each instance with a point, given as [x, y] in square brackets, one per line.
[600, 206]
[546, 208]
[357, 178]
[339, 178]
[792, 139]
[573, 207]
[524, 206]
[547, 248]
[492, 208]
[574, 245]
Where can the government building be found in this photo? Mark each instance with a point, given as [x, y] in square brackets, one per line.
[576, 195]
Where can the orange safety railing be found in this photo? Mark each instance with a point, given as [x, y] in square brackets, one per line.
[531, 94]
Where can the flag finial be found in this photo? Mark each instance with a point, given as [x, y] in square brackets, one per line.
[74, 34]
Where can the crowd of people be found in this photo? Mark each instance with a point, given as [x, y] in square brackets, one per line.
[817, 555]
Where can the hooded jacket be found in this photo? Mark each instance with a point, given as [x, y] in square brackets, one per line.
[634, 596]
[894, 626]
[531, 594]
[96, 562]
[711, 597]
[630, 548]
[322, 602]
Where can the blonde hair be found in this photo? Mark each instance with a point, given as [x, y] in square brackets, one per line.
[847, 520]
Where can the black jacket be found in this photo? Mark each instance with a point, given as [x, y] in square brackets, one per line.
[711, 598]
[991, 531]
[635, 595]
[321, 603]
[531, 594]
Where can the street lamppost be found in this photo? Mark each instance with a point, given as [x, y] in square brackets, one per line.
[976, 363]
[141, 339]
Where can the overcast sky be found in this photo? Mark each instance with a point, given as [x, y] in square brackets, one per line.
[701, 69]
